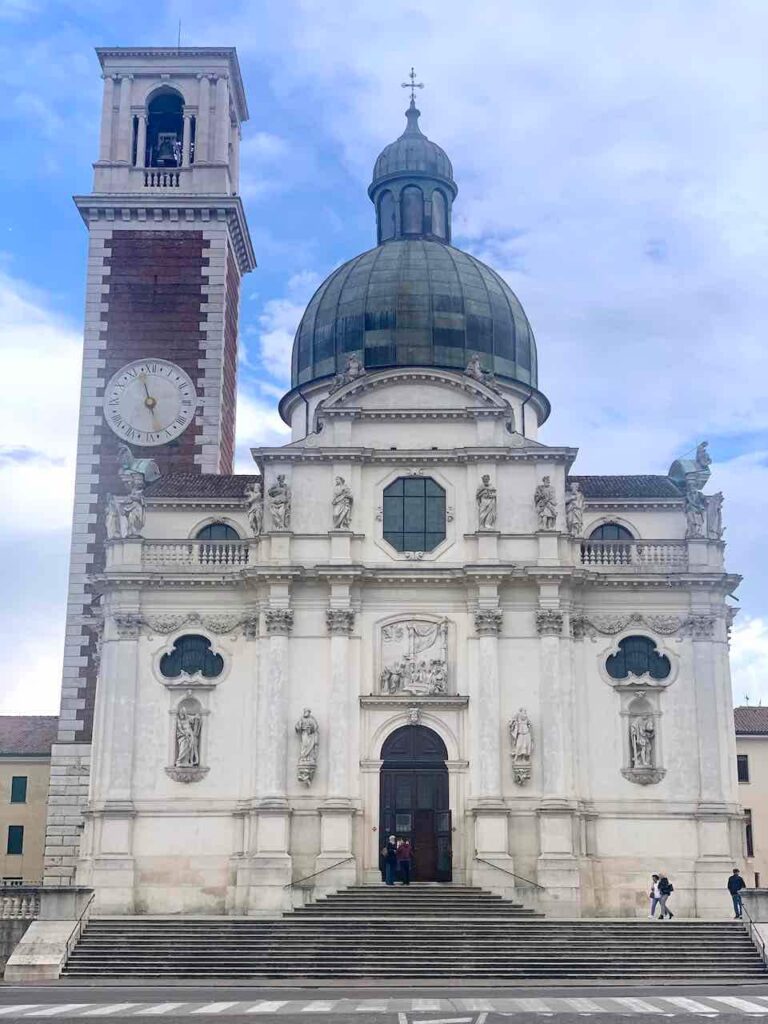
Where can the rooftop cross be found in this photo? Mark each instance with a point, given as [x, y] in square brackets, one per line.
[413, 85]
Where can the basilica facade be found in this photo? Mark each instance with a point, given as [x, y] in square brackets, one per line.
[415, 618]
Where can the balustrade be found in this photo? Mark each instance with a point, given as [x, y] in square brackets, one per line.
[19, 902]
[159, 177]
[662, 555]
[216, 555]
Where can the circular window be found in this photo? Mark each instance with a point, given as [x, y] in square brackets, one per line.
[414, 514]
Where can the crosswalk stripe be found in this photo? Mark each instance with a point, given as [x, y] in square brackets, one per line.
[445, 1020]
[691, 1004]
[741, 1004]
[426, 1004]
[105, 1011]
[51, 1011]
[154, 1011]
[319, 1006]
[533, 1005]
[267, 1006]
[584, 1005]
[475, 1004]
[212, 1007]
[638, 1005]
[18, 1007]
[371, 1006]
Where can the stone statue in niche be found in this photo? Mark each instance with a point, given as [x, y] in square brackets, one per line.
[309, 735]
[574, 510]
[414, 655]
[521, 737]
[280, 503]
[486, 504]
[341, 504]
[545, 503]
[189, 722]
[695, 511]
[642, 732]
[255, 498]
[715, 516]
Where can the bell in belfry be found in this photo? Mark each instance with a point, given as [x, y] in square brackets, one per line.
[167, 146]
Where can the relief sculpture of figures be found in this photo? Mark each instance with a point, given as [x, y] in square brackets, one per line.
[404, 671]
[545, 503]
[255, 498]
[341, 503]
[280, 503]
[486, 504]
[574, 510]
[188, 727]
[641, 736]
[308, 733]
[521, 736]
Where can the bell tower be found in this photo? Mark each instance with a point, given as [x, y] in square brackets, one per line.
[168, 245]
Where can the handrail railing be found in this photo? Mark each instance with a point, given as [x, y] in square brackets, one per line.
[314, 874]
[754, 934]
[77, 931]
[508, 872]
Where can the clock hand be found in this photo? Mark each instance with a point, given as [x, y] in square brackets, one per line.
[149, 401]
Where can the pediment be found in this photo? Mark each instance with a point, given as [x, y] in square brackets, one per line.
[416, 392]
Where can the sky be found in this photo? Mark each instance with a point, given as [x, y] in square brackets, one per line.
[612, 161]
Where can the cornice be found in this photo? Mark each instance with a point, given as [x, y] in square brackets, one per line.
[414, 700]
[414, 456]
[634, 504]
[122, 209]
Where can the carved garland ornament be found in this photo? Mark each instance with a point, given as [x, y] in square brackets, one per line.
[700, 627]
[129, 626]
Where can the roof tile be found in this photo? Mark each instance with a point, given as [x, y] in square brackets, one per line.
[627, 487]
[201, 485]
[27, 734]
[751, 721]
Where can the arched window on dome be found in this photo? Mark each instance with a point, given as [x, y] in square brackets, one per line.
[611, 531]
[412, 211]
[386, 216]
[218, 531]
[439, 215]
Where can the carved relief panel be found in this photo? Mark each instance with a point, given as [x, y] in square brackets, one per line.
[413, 657]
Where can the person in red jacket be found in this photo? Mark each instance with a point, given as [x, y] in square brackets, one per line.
[404, 856]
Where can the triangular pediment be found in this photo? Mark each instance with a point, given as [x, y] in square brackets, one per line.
[414, 390]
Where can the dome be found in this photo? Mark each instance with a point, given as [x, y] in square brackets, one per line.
[413, 154]
[414, 302]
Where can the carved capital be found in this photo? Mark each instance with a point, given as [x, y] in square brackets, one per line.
[549, 622]
[340, 620]
[701, 627]
[128, 626]
[279, 620]
[488, 621]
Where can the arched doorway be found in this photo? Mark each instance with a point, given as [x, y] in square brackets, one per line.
[413, 800]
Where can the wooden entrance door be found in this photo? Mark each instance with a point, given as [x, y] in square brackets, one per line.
[414, 799]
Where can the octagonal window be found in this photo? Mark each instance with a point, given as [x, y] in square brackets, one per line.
[414, 514]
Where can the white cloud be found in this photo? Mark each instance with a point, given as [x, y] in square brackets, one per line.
[749, 658]
[278, 322]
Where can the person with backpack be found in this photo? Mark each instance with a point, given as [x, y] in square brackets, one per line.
[665, 891]
[654, 895]
[735, 884]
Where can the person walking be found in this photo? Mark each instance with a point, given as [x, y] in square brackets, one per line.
[665, 891]
[390, 861]
[654, 895]
[735, 884]
[404, 855]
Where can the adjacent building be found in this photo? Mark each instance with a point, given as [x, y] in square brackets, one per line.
[752, 770]
[25, 763]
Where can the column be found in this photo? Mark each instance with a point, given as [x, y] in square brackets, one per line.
[490, 813]
[141, 141]
[186, 140]
[222, 119]
[336, 812]
[202, 147]
[558, 867]
[105, 142]
[124, 120]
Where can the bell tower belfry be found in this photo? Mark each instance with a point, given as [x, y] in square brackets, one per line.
[168, 246]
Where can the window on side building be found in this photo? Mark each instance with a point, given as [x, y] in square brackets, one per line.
[19, 789]
[748, 836]
[742, 767]
[15, 844]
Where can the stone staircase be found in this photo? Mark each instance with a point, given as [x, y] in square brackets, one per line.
[426, 932]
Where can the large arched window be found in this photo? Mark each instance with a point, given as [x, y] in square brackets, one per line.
[412, 212]
[611, 531]
[165, 129]
[638, 656]
[218, 531]
[386, 216]
[414, 514]
[439, 215]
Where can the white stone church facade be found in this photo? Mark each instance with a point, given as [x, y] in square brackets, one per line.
[412, 619]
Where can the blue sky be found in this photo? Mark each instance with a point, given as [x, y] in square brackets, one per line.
[612, 161]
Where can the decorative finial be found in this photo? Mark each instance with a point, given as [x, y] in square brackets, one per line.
[413, 85]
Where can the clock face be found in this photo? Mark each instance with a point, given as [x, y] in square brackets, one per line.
[150, 402]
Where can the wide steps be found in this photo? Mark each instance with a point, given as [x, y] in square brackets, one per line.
[447, 932]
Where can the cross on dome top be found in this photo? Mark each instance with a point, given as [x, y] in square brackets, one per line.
[413, 85]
